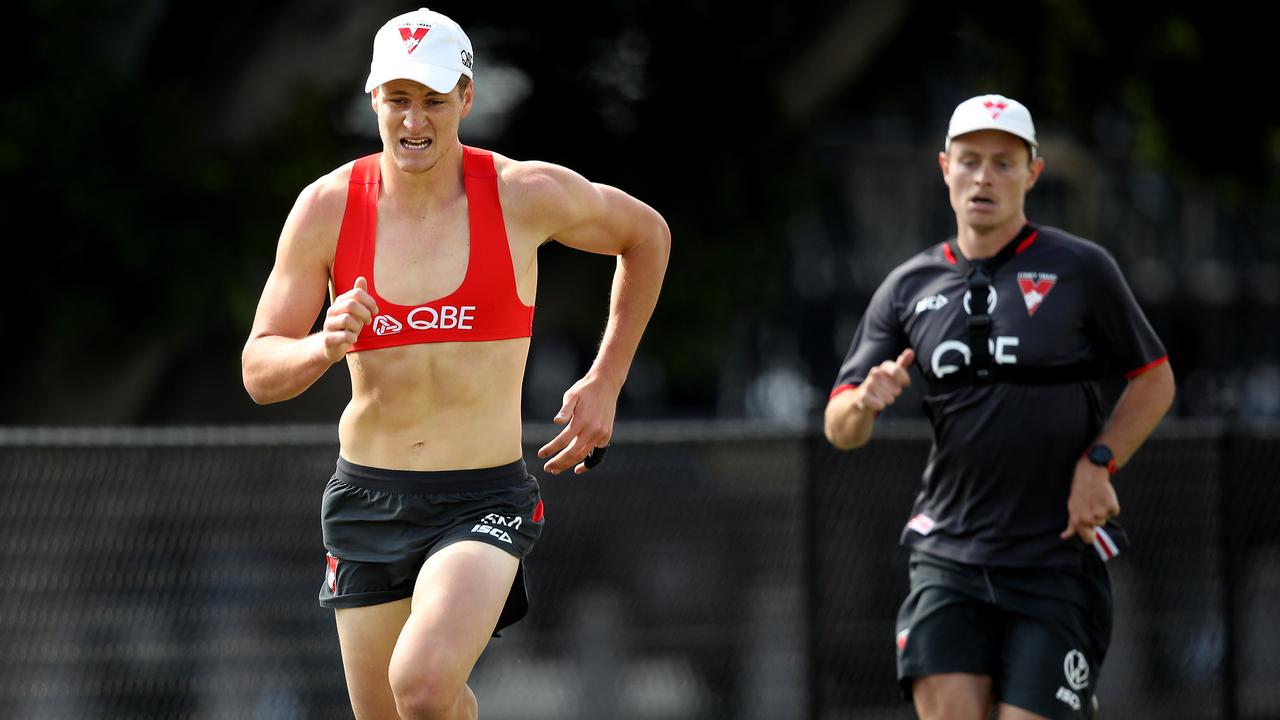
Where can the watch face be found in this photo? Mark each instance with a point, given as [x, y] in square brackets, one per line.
[1100, 455]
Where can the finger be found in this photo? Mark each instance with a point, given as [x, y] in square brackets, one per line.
[595, 456]
[1087, 534]
[870, 401]
[903, 366]
[1073, 528]
[1083, 529]
[345, 313]
[567, 409]
[362, 312]
[360, 293]
[571, 455]
[557, 443]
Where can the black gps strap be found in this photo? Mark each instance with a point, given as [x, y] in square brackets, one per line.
[979, 275]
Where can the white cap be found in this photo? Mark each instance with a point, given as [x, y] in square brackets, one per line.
[992, 112]
[423, 46]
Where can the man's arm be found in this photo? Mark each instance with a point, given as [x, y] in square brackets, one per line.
[601, 219]
[282, 357]
[1141, 406]
[851, 413]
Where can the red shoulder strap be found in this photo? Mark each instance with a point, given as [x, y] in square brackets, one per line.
[488, 230]
[359, 225]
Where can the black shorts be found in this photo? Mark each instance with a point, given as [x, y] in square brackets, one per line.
[1040, 633]
[380, 526]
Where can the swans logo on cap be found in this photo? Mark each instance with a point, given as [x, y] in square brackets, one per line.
[413, 38]
[995, 107]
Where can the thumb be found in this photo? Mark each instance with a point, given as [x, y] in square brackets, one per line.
[362, 284]
[907, 357]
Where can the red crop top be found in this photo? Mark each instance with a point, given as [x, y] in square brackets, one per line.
[485, 307]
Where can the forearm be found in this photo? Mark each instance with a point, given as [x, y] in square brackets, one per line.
[636, 285]
[846, 422]
[277, 368]
[1139, 410]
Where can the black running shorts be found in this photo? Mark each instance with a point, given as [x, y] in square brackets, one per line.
[380, 526]
[1040, 633]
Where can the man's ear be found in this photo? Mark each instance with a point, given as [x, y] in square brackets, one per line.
[1037, 167]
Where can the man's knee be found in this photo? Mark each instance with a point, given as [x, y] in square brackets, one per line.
[425, 690]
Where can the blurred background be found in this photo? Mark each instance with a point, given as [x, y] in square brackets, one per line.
[159, 542]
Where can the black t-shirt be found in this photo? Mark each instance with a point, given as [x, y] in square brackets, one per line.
[999, 473]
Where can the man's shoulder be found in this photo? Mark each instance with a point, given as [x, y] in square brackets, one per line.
[532, 176]
[539, 192]
[1058, 240]
[325, 199]
[929, 261]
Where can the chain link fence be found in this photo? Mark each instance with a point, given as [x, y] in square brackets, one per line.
[705, 571]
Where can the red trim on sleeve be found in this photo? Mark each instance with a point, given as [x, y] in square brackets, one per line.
[1135, 373]
[1027, 243]
[946, 250]
[841, 388]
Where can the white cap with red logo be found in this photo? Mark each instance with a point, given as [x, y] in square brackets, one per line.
[423, 46]
[992, 112]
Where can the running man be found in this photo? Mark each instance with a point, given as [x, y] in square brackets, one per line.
[1011, 326]
[428, 251]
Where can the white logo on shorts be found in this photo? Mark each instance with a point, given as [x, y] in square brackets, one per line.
[1076, 668]
[500, 521]
[1068, 697]
[491, 530]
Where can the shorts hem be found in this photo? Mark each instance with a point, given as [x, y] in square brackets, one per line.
[484, 540]
[367, 599]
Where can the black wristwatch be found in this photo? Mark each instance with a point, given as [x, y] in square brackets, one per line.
[1101, 455]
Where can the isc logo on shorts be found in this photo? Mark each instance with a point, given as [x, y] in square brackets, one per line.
[493, 523]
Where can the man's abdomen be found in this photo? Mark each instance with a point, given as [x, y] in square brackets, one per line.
[435, 406]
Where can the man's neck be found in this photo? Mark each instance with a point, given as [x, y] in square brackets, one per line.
[978, 244]
[439, 185]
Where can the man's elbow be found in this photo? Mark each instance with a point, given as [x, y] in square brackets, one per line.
[256, 391]
[253, 382]
[1168, 385]
[653, 242]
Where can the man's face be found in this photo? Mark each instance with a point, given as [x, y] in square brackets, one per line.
[418, 124]
[989, 173]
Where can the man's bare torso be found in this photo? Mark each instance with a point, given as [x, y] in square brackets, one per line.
[434, 406]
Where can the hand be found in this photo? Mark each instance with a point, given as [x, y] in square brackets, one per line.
[346, 317]
[1092, 502]
[885, 382]
[587, 414]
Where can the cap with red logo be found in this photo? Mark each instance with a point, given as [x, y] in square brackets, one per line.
[992, 112]
[423, 46]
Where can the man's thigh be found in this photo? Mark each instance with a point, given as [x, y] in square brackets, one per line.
[954, 696]
[368, 637]
[456, 602]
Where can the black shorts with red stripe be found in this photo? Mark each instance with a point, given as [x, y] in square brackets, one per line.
[381, 525]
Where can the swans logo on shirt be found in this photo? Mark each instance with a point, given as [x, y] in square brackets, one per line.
[1035, 286]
